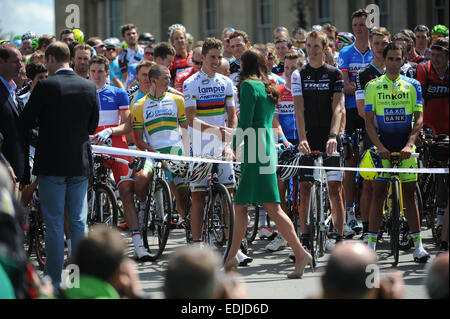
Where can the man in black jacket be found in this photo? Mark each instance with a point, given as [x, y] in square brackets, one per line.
[65, 108]
[14, 147]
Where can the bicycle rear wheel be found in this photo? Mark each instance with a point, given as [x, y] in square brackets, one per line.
[253, 223]
[219, 220]
[105, 209]
[157, 220]
[395, 222]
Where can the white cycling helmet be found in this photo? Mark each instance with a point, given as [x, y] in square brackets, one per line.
[291, 158]
[177, 168]
[197, 171]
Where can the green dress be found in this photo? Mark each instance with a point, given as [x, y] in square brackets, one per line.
[258, 182]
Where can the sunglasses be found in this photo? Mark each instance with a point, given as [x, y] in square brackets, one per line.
[110, 49]
[100, 45]
[421, 27]
[148, 53]
[197, 62]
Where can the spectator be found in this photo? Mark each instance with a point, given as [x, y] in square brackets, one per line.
[15, 144]
[65, 124]
[437, 277]
[105, 272]
[193, 273]
[82, 54]
[67, 36]
[345, 274]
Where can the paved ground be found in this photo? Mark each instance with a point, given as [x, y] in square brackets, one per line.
[265, 277]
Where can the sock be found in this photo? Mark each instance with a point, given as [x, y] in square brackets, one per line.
[417, 240]
[372, 241]
[136, 237]
[350, 212]
[197, 241]
[440, 216]
[365, 226]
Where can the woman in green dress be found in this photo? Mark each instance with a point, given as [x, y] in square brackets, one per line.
[258, 184]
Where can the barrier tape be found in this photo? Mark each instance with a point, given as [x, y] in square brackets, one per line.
[152, 155]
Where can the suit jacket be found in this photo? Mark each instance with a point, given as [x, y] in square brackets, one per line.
[65, 109]
[15, 146]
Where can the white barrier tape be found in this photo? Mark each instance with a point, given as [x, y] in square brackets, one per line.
[151, 155]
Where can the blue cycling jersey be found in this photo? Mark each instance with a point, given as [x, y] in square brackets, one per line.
[351, 61]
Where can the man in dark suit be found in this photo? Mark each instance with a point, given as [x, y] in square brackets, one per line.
[14, 147]
[65, 108]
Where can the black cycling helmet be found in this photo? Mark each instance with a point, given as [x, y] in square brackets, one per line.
[146, 37]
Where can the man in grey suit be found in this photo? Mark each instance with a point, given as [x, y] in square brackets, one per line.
[65, 108]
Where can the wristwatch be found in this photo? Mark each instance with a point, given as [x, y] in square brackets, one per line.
[332, 135]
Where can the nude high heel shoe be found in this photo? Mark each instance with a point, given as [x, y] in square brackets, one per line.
[299, 272]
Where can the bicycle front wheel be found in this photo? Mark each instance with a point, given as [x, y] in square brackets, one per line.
[157, 220]
[315, 240]
[253, 222]
[395, 222]
[219, 220]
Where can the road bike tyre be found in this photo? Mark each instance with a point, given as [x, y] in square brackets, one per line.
[252, 228]
[157, 227]
[217, 221]
[419, 201]
[395, 222]
[109, 214]
[313, 226]
[187, 218]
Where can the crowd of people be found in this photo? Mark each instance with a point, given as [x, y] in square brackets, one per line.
[308, 90]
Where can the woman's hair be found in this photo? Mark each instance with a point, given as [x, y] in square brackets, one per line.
[253, 67]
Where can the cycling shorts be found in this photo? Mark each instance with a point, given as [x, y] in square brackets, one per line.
[120, 170]
[353, 121]
[404, 177]
[307, 175]
[226, 177]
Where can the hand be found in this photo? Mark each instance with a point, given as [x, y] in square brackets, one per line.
[228, 154]
[101, 137]
[12, 174]
[331, 146]
[384, 153]
[303, 147]
[164, 165]
[406, 152]
[226, 133]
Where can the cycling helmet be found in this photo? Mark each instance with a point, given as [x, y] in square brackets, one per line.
[146, 38]
[17, 40]
[79, 35]
[35, 44]
[189, 38]
[345, 37]
[29, 36]
[4, 41]
[370, 159]
[316, 27]
[291, 158]
[177, 168]
[237, 170]
[439, 31]
[197, 171]
[112, 42]
[174, 27]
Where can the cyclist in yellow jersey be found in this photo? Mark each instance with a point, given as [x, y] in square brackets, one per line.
[158, 116]
[395, 103]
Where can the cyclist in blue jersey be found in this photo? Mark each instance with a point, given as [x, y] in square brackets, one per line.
[351, 59]
[115, 76]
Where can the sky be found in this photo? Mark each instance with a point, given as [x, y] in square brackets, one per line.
[20, 16]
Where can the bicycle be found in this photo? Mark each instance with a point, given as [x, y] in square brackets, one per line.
[158, 213]
[319, 217]
[35, 237]
[395, 223]
[218, 219]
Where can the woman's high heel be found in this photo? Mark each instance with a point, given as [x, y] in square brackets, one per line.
[299, 272]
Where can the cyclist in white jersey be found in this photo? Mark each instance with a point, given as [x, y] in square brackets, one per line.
[211, 113]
